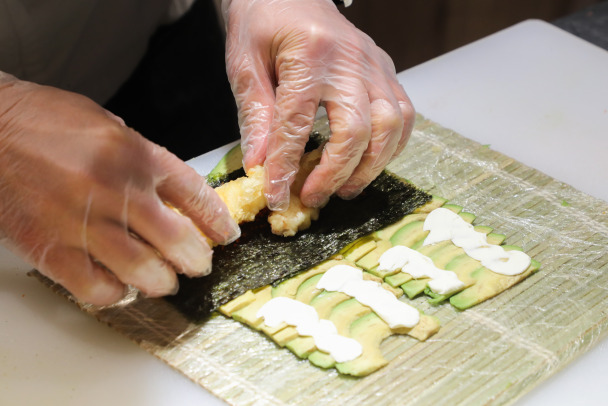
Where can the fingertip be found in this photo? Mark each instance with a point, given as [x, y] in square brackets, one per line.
[277, 185]
[350, 190]
[277, 202]
[233, 236]
[153, 278]
[314, 200]
[254, 153]
[100, 288]
[167, 286]
[195, 259]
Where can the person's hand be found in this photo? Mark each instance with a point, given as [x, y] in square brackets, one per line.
[82, 198]
[284, 58]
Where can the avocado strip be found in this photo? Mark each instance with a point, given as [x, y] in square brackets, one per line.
[261, 258]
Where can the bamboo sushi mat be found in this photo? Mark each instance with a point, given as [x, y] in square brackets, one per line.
[492, 353]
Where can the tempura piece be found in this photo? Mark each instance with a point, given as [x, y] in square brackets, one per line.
[245, 199]
[244, 196]
[297, 217]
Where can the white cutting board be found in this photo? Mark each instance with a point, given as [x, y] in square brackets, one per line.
[540, 95]
[532, 92]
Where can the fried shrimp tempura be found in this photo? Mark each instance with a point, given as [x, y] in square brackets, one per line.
[245, 199]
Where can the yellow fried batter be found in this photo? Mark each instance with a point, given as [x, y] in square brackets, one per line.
[244, 196]
[245, 199]
[297, 217]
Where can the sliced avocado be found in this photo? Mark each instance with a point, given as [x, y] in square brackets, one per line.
[369, 262]
[436, 298]
[488, 284]
[387, 232]
[414, 287]
[468, 217]
[418, 244]
[285, 335]
[360, 249]
[496, 239]
[289, 287]
[302, 346]
[231, 162]
[308, 289]
[345, 313]
[464, 266]
[409, 234]
[236, 304]
[395, 290]
[248, 314]
[325, 301]
[512, 248]
[398, 279]
[426, 327]
[322, 359]
[444, 255]
[483, 229]
[431, 205]
[454, 207]
[369, 331]
[433, 250]
[440, 257]
[453, 259]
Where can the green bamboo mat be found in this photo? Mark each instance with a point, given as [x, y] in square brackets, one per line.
[492, 353]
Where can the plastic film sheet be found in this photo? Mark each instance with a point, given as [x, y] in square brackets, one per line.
[492, 353]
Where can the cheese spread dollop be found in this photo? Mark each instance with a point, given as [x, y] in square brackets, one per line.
[419, 265]
[444, 224]
[349, 280]
[306, 321]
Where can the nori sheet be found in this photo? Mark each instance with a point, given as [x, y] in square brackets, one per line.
[218, 179]
[261, 258]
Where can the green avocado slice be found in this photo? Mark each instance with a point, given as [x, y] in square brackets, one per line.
[228, 168]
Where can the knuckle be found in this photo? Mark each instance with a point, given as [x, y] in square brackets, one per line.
[253, 113]
[357, 130]
[201, 201]
[238, 68]
[319, 39]
[407, 111]
[295, 124]
[389, 119]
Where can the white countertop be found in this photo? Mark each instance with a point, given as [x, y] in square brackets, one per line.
[532, 92]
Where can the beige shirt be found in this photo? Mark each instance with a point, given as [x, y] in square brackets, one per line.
[87, 46]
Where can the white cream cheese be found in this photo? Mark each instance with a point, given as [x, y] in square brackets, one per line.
[419, 265]
[306, 321]
[349, 280]
[444, 224]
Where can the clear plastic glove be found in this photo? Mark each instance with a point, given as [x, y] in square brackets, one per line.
[82, 198]
[284, 59]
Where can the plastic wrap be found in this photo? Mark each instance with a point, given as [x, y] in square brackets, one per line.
[492, 353]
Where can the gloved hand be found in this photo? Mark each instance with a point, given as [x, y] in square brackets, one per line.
[82, 198]
[284, 58]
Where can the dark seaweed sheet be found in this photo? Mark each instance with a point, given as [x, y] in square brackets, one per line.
[261, 258]
[219, 180]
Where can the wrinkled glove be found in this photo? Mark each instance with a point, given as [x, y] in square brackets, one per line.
[82, 198]
[284, 59]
